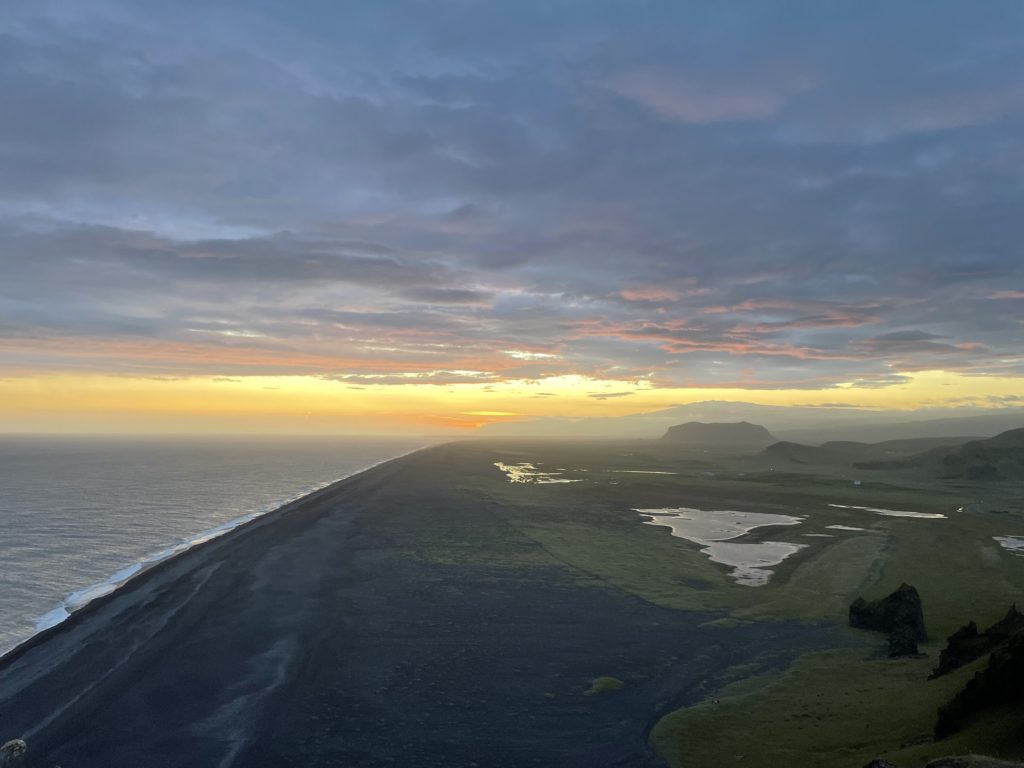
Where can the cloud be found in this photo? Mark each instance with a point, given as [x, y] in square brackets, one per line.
[430, 295]
[880, 382]
[521, 190]
[679, 98]
[418, 377]
[653, 295]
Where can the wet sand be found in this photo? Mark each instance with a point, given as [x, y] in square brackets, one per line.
[320, 636]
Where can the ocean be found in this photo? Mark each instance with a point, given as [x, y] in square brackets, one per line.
[80, 515]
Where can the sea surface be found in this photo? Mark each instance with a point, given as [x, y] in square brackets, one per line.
[80, 515]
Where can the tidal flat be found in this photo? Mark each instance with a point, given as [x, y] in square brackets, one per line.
[430, 612]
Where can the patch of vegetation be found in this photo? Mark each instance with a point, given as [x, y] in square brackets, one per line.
[725, 623]
[841, 707]
[832, 708]
[638, 559]
[603, 685]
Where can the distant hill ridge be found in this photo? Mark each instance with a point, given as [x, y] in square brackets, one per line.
[803, 424]
[847, 452]
[739, 434]
[997, 458]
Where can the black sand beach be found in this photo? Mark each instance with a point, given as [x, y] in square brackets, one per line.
[322, 635]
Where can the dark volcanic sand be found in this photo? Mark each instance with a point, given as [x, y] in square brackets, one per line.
[315, 637]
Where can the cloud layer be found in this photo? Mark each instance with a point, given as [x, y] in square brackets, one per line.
[764, 195]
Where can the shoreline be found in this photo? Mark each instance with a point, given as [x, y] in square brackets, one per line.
[339, 630]
[147, 566]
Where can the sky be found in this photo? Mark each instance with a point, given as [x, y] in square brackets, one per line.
[324, 215]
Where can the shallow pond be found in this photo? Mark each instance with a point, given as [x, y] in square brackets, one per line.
[893, 512]
[715, 530]
[525, 472]
[1012, 543]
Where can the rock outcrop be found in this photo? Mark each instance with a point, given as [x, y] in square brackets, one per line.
[12, 753]
[967, 643]
[900, 614]
[965, 761]
[1001, 682]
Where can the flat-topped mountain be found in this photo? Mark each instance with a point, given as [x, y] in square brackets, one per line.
[740, 434]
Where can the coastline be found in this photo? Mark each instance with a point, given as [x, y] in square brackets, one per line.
[340, 630]
[73, 607]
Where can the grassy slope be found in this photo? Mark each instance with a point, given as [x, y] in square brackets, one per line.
[841, 707]
[832, 709]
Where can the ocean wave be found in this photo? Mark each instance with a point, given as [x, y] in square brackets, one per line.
[81, 598]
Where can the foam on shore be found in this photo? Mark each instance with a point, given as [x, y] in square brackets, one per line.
[81, 598]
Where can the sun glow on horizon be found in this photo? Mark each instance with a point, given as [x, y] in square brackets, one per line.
[312, 404]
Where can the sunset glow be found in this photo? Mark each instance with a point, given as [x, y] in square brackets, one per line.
[303, 222]
[310, 404]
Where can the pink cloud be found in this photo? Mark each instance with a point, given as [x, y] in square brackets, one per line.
[684, 99]
[648, 294]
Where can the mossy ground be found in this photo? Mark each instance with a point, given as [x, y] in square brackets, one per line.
[604, 685]
[839, 707]
[832, 709]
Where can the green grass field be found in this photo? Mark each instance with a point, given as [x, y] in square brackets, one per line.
[838, 707]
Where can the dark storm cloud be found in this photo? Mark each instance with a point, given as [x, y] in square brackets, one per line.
[758, 193]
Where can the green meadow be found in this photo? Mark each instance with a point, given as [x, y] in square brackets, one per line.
[837, 706]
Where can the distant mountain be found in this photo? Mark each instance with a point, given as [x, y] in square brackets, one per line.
[997, 458]
[739, 435]
[803, 424]
[870, 429]
[844, 452]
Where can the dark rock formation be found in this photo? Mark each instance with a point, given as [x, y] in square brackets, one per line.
[970, 761]
[1001, 682]
[12, 753]
[967, 644]
[902, 642]
[900, 614]
[738, 435]
[965, 761]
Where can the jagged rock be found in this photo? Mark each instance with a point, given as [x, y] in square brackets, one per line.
[965, 761]
[13, 753]
[1001, 682]
[967, 644]
[900, 614]
[970, 761]
[902, 642]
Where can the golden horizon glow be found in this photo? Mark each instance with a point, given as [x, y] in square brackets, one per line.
[309, 404]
